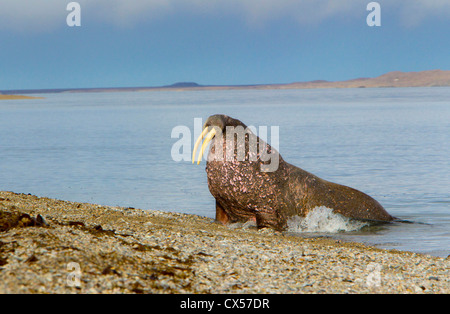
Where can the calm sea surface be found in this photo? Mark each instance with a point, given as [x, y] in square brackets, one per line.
[115, 149]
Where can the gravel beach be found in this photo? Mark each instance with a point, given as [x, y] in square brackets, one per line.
[53, 246]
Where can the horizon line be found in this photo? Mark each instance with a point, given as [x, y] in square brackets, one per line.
[195, 86]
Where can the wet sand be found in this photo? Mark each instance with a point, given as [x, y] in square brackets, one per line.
[53, 246]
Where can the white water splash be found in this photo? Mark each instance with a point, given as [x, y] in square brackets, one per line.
[322, 219]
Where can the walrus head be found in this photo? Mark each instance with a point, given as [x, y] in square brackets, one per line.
[214, 125]
[236, 142]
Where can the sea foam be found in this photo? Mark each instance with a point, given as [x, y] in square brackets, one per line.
[323, 219]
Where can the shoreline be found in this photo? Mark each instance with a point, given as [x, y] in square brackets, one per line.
[54, 246]
[393, 79]
[13, 97]
[290, 86]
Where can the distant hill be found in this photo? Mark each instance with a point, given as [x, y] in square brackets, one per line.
[183, 84]
[391, 79]
[429, 78]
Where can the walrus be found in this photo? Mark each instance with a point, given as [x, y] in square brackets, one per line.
[244, 188]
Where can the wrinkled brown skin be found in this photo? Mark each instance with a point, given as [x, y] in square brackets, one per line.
[243, 192]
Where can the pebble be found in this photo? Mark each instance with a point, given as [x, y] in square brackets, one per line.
[139, 251]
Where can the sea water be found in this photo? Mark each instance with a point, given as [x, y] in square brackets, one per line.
[115, 149]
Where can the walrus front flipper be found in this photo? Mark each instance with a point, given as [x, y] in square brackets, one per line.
[269, 219]
[221, 214]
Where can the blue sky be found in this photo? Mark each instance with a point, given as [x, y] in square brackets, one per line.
[219, 42]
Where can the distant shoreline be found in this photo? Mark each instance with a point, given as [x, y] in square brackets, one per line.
[431, 78]
[10, 97]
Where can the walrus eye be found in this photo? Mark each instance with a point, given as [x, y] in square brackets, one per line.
[205, 143]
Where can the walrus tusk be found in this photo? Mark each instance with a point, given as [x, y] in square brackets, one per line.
[205, 130]
[205, 143]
